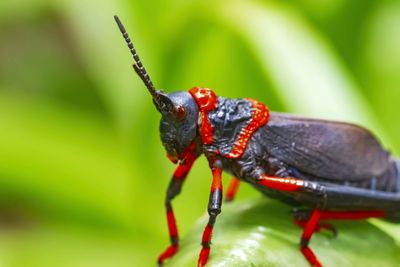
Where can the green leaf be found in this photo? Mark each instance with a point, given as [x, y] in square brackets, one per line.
[261, 233]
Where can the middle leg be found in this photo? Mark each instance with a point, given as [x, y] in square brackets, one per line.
[214, 208]
[232, 189]
[301, 217]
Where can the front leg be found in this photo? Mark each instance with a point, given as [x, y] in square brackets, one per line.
[214, 208]
[174, 188]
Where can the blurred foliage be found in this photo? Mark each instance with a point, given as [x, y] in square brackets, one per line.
[82, 170]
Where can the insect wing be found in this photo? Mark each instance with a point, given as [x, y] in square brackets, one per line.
[326, 149]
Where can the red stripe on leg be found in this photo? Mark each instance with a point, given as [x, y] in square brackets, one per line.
[283, 184]
[205, 242]
[187, 157]
[172, 228]
[207, 235]
[203, 257]
[217, 180]
[310, 256]
[309, 229]
[214, 208]
[182, 170]
[311, 225]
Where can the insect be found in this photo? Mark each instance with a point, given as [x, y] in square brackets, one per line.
[338, 171]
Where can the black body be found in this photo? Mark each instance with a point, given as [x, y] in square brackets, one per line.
[343, 165]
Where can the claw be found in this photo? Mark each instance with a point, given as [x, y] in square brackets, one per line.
[168, 253]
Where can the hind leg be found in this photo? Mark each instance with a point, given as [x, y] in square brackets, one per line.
[309, 229]
[312, 225]
[330, 197]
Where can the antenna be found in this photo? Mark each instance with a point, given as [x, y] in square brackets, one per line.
[137, 66]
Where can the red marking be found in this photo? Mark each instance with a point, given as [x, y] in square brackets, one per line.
[308, 231]
[351, 215]
[188, 158]
[207, 234]
[284, 184]
[206, 129]
[232, 189]
[203, 257]
[207, 100]
[205, 251]
[310, 256]
[217, 180]
[181, 172]
[183, 169]
[168, 253]
[260, 117]
[172, 228]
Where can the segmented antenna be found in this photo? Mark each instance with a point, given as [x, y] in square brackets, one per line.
[137, 66]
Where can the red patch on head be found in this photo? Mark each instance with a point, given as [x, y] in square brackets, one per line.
[207, 100]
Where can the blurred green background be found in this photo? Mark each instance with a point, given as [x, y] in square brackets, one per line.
[82, 171]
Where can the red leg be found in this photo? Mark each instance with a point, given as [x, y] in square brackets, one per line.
[309, 230]
[312, 225]
[351, 215]
[174, 189]
[232, 189]
[214, 208]
[173, 234]
[319, 227]
[302, 216]
[289, 184]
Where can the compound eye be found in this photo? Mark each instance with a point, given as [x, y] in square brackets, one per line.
[180, 112]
